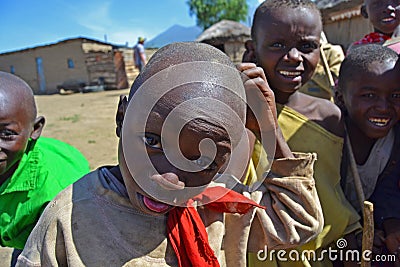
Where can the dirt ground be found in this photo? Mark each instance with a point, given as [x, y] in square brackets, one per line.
[86, 121]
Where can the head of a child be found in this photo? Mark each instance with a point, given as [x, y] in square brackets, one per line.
[182, 121]
[384, 15]
[286, 41]
[18, 122]
[369, 90]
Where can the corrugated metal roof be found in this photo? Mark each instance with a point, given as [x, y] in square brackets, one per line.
[59, 42]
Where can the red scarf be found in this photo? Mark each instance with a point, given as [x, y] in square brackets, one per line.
[187, 233]
[373, 37]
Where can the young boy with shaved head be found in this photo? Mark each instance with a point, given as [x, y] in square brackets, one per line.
[169, 200]
[32, 169]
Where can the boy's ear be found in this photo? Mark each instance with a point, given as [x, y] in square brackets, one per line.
[338, 99]
[38, 127]
[119, 118]
[249, 55]
[364, 12]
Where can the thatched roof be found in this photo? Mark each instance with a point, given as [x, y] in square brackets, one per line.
[338, 4]
[223, 31]
[333, 10]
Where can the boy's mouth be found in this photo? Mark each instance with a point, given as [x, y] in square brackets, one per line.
[293, 75]
[380, 122]
[154, 205]
[388, 19]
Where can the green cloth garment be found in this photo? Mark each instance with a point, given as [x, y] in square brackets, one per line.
[340, 218]
[47, 167]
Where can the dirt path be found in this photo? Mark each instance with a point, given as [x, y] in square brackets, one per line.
[86, 121]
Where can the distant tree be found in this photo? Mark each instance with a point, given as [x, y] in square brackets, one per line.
[209, 12]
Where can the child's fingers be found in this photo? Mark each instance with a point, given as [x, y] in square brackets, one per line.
[245, 66]
[169, 181]
[251, 71]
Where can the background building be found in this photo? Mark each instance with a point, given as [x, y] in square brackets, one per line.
[72, 64]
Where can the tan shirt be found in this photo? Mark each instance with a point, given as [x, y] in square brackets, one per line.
[89, 225]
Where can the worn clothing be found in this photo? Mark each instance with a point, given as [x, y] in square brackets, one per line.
[394, 44]
[319, 84]
[370, 170]
[386, 194]
[138, 49]
[340, 217]
[88, 224]
[371, 38]
[47, 167]
[379, 38]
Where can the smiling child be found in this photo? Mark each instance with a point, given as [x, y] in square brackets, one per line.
[286, 44]
[384, 15]
[369, 87]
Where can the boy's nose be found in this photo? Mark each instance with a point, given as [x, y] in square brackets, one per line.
[382, 104]
[294, 54]
[391, 8]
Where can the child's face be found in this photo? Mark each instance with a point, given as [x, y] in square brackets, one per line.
[15, 129]
[372, 99]
[287, 47]
[383, 15]
[173, 144]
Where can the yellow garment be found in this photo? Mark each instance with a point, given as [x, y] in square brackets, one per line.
[319, 85]
[303, 135]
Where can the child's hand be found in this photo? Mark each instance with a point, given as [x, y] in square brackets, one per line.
[392, 231]
[258, 95]
[379, 241]
[255, 82]
[169, 181]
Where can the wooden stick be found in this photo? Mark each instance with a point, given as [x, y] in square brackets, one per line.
[327, 72]
[326, 68]
[368, 231]
[356, 176]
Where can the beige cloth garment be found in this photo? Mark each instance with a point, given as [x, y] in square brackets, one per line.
[370, 170]
[90, 225]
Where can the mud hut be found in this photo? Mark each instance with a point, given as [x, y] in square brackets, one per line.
[343, 22]
[73, 64]
[228, 36]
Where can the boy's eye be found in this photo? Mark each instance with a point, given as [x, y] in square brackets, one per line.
[309, 46]
[204, 162]
[7, 134]
[277, 45]
[369, 95]
[152, 141]
[396, 95]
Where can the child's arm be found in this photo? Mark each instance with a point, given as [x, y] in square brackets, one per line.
[261, 100]
[293, 214]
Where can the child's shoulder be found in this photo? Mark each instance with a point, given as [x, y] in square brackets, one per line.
[53, 152]
[321, 111]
